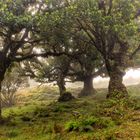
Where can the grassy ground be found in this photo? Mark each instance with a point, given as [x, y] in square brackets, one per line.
[38, 116]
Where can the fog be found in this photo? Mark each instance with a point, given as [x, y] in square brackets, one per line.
[132, 77]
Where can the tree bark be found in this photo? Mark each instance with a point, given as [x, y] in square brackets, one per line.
[88, 88]
[0, 102]
[4, 65]
[116, 88]
[61, 85]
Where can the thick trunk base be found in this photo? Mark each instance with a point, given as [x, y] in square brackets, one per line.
[62, 91]
[88, 89]
[61, 86]
[87, 92]
[116, 88]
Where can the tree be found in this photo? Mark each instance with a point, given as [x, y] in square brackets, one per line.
[73, 40]
[113, 30]
[53, 69]
[87, 67]
[20, 25]
[50, 70]
[82, 67]
[13, 32]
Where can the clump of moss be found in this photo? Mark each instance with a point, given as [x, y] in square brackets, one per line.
[89, 124]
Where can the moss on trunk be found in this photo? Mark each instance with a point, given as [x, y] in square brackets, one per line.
[116, 87]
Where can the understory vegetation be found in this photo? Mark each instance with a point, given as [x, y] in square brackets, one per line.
[36, 117]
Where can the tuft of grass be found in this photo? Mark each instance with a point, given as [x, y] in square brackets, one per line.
[12, 133]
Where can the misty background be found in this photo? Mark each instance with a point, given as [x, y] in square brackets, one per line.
[132, 77]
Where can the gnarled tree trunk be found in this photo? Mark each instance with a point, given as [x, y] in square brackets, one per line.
[64, 96]
[62, 89]
[116, 87]
[88, 88]
[61, 86]
[0, 102]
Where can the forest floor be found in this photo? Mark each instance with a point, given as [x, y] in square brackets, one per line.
[38, 116]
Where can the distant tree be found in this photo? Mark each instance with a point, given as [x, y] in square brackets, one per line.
[47, 71]
[85, 68]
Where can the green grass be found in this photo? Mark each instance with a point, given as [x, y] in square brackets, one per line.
[41, 117]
